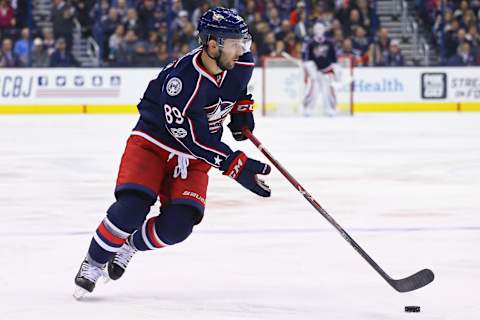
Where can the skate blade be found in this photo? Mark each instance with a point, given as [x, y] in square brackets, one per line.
[80, 293]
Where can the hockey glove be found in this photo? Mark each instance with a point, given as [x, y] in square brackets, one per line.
[244, 170]
[241, 116]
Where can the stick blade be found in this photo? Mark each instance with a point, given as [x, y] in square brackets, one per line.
[413, 282]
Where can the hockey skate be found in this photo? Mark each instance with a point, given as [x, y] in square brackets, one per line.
[119, 262]
[86, 279]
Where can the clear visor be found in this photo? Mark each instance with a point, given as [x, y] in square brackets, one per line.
[239, 46]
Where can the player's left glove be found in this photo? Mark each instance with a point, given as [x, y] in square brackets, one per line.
[244, 170]
[241, 116]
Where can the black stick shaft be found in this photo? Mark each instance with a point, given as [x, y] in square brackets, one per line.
[316, 205]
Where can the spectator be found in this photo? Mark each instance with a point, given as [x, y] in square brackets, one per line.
[161, 57]
[180, 21]
[284, 30]
[131, 21]
[284, 7]
[347, 51]
[163, 33]
[122, 9]
[447, 17]
[159, 17]
[187, 36]
[7, 19]
[184, 49]
[297, 13]
[126, 52]
[335, 25]
[360, 40]
[100, 10]
[22, 47]
[368, 17]
[259, 36]
[353, 23]
[257, 27]
[146, 17]
[61, 57]
[343, 13]
[473, 37]
[250, 11]
[463, 57]
[115, 41]
[141, 58]
[296, 51]
[152, 44]
[379, 50]
[274, 20]
[198, 12]
[451, 34]
[177, 6]
[109, 25]
[291, 44]
[82, 14]
[48, 40]
[40, 57]
[21, 14]
[464, 7]
[300, 28]
[8, 59]
[268, 45]
[279, 48]
[62, 20]
[395, 56]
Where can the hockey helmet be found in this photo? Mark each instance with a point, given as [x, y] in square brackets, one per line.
[319, 30]
[222, 23]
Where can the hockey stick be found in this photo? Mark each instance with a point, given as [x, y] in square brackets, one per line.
[413, 282]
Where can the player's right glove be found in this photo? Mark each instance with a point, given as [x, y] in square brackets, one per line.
[244, 170]
[241, 117]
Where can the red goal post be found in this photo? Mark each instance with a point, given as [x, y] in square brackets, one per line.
[284, 82]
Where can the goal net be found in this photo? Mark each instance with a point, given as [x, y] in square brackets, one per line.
[285, 82]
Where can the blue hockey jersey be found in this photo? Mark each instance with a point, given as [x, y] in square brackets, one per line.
[184, 107]
[322, 53]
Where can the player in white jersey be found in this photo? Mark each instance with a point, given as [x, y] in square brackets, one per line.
[319, 68]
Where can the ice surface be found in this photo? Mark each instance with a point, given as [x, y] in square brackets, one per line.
[405, 186]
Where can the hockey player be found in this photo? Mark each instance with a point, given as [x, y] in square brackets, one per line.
[174, 144]
[319, 69]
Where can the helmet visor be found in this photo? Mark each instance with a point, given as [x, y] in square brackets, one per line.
[239, 46]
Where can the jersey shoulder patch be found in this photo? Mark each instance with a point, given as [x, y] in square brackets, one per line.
[174, 86]
[181, 83]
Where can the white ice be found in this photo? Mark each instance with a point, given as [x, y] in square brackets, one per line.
[405, 186]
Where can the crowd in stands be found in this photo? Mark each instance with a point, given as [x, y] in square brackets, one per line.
[457, 28]
[145, 33]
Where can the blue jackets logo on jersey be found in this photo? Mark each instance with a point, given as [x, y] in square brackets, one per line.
[217, 17]
[174, 86]
[216, 113]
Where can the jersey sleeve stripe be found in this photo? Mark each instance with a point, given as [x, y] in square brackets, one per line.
[161, 145]
[224, 75]
[192, 130]
[183, 144]
[248, 64]
[194, 94]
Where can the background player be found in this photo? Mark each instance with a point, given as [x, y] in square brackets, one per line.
[174, 144]
[319, 59]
